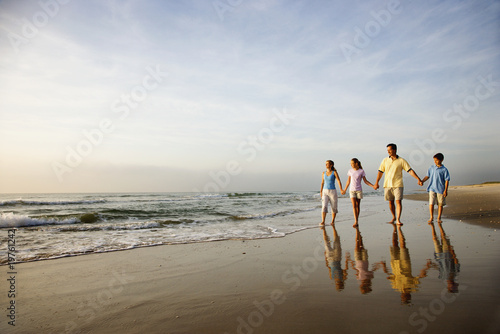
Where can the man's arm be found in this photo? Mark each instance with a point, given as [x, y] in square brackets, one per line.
[412, 173]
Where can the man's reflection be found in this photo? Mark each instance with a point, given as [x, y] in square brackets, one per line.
[446, 258]
[401, 277]
[333, 259]
[363, 274]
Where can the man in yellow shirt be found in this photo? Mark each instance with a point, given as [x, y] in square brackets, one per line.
[393, 167]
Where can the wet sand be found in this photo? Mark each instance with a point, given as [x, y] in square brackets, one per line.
[419, 278]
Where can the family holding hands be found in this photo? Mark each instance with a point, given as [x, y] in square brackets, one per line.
[393, 167]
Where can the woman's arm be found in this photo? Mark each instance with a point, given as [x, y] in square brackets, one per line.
[346, 185]
[338, 179]
[379, 176]
[322, 184]
[368, 182]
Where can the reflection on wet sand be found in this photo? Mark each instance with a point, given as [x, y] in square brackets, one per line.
[446, 259]
[401, 278]
[333, 259]
[400, 272]
[363, 274]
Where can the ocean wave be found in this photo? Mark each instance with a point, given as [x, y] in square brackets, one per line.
[26, 202]
[270, 214]
[111, 227]
[58, 225]
[176, 222]
[244, 194]
[208, 195]
[277, 195]
[10, 219]
[115, 242]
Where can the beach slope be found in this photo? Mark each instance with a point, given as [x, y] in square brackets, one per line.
[478, 204]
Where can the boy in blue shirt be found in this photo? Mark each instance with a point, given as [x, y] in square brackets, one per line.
[438, 186]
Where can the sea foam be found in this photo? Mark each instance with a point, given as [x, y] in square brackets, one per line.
[10, 219]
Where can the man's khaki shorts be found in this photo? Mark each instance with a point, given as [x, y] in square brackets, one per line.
[393, 194]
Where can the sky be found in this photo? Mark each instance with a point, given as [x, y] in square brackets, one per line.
[243, 95]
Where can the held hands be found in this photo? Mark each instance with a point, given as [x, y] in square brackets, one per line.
[375, 186]
[420, 183]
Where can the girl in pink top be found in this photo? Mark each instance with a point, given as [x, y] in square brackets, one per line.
[356, 191]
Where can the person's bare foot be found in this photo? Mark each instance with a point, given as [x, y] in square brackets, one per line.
[430, 220]
[322, 224]
[399, 223]
[440, 221]
[332, 223]
[392, 221]
[355, 224]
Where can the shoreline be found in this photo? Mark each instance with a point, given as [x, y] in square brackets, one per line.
[475, 204]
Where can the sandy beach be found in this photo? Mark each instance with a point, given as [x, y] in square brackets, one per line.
[419, 278]
[478, 204]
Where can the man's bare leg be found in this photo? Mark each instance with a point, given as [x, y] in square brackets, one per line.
[393, 211]
[399, 209]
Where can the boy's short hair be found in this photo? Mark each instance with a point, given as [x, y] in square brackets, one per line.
[393, 146]
[439, 156]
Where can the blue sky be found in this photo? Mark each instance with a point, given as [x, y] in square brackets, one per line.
[242, 95]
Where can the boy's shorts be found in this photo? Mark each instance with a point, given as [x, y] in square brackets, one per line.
[356, 194]
[393, 193]
[436, 198]
[329, 196]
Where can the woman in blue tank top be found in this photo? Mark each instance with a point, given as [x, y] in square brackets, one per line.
[328, 192]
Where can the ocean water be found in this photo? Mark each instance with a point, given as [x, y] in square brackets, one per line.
[59, 225]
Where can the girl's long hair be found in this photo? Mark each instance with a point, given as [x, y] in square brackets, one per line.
[333, 165]
[356, 161]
